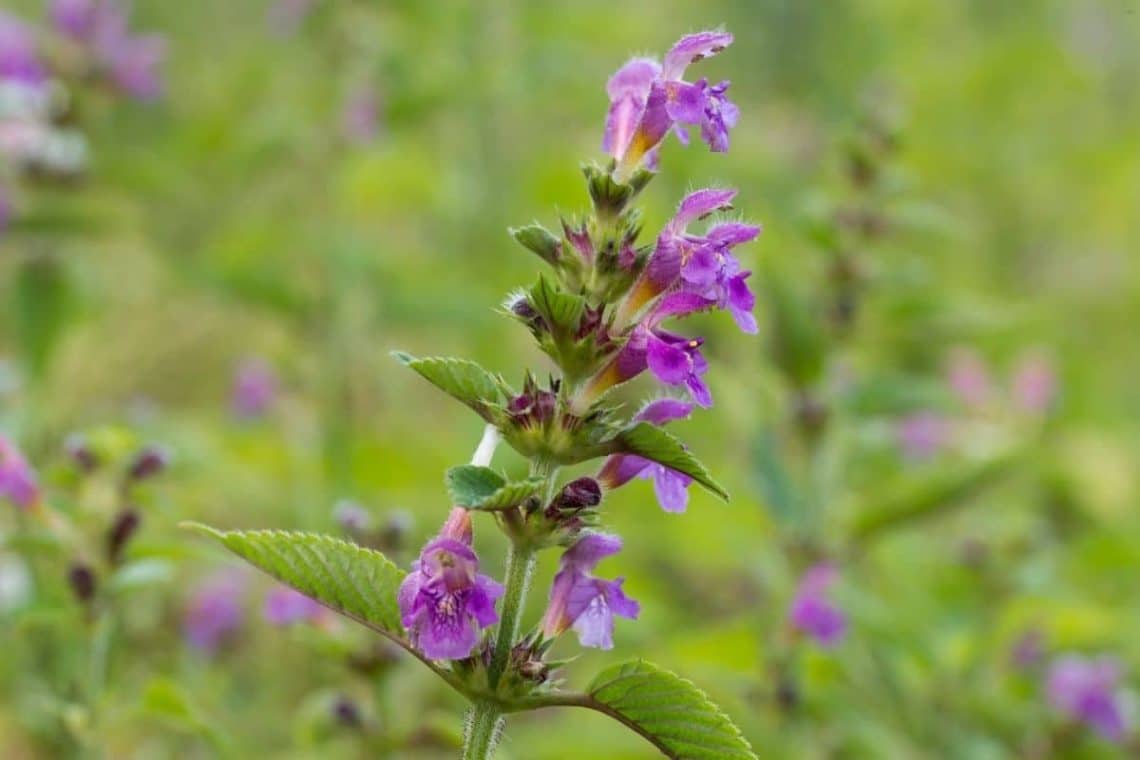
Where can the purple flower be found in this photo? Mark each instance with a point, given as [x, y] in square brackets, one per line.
[444, 601]
[673, 359]
[670, 486]
[587, 603]
[18, 483]
[921, 435]
[131, 61]
[76, 19]
[285, 606]
[648, 99]
[1034, 384]
[360, 120]
[813, 612]
[1086, 690]
[254, 388]
[214, 612]
[19, 58]
[969, 378]
[700, 264]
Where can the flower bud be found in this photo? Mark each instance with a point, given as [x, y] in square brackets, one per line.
[575, 496]
[81, 578]
[539, 240]
[149, 462]
[121, 532]
[346, 713]
[81, 453]
[352, 518]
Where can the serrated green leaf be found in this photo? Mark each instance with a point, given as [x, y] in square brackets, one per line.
[463, 380]
[651, 442]
[482, 488]
[350, 579]
[669, 711]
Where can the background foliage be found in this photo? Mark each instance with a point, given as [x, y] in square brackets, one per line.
[233, 219]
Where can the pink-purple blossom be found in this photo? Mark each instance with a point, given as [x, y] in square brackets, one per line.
[969, 378]
[445, 601]
[215, 611]
[1034, 384]
[670, 486]
[699, 264]
[254, 388]
[649, 99]
[19, 55]
[18, 482]
[580, 600]
[360, 118]
[132, 62]
[921, 435]
[286, 606]
[1086, 690]
[812, 610]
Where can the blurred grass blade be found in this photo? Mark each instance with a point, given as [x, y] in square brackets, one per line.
[908, 503]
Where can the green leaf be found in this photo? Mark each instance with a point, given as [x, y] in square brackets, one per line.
[463, 380]
[482, 488]
[669, 711]
[562, 310]
[354, 581]
[651, 442]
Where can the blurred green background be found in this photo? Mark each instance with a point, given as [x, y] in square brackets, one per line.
[233, 219]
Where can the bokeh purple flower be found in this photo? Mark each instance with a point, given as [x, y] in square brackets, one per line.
[444, 601]
[254, 388]
[921, 435]
[360, 119]
[670, 486]
[19, 55]
[812, 610]
[18, 482]
[1034, 385]
[587, 603]
[969, 378]
[286, 606]
[132, 62]
[648, 99]
[215, 611]
[1086, 691]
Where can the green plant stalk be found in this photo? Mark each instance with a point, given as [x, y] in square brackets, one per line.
[485, 720]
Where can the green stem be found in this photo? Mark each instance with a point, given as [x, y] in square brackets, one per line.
[484, 728]
[485, 720]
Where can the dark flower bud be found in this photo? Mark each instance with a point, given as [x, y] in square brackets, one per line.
[81, 578]
[346, 713]
[124, 527]
[577, 495]
[526, 312]
[352, 518]
[149, 462]
[541, 241]
[579, 237]
[80, 452]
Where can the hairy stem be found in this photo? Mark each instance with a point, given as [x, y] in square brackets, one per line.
[483, 730]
